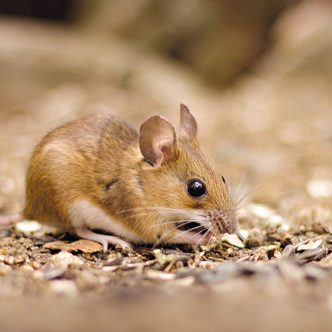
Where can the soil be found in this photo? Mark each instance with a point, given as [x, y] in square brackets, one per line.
[270, 132]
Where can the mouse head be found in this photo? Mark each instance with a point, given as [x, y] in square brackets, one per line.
[188, 194]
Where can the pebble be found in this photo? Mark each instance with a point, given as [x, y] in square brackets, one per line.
[35, 265]
[233, 240]
[28, 226]
[158, 275]
[63, 287]
[310, 245]
[289, 251]
[51, 272]
[275, 220]
[319, 188]
[9, 260]
[243, 234]
[4, 269]
[66, 259]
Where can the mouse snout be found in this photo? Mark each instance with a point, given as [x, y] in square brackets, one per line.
[223, 221]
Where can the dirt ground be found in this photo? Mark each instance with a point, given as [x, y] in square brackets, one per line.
[270, 135]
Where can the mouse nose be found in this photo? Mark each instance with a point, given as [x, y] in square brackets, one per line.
[225, 221]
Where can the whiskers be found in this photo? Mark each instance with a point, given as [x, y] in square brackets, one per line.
[199, 231]
[171, 223]
[240, 195]
[196, 223]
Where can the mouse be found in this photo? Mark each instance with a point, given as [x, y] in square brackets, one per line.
[102, 180]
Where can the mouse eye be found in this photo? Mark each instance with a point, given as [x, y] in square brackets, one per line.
[223, 179]
[196, 188]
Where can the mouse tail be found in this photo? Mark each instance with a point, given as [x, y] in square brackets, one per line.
[7, 221]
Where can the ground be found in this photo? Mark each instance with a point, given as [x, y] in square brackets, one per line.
[270, 133]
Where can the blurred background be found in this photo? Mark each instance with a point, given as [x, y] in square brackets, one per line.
[256, 74]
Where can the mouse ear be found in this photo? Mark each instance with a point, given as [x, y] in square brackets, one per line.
[188, 124]
[157, 139]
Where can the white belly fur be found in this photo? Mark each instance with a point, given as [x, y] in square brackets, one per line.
[84, 213]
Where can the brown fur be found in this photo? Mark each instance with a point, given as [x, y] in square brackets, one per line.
[98, 159]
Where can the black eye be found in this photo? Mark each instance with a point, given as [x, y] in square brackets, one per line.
[223, 179]
[196, 188]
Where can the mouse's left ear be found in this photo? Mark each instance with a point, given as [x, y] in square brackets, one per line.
[188, 124]
[157, 140]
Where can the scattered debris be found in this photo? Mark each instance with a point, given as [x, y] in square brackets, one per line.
[309, 245]
[85, 246]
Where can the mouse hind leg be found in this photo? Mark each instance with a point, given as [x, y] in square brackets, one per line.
[86, 216]
[103, 239]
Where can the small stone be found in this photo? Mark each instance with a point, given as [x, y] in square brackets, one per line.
[35, 265]
[63, 287]
[66, 258]
[51, 272]
[285, 227]
[233, 240]
[4, 269]
[9, 260]
[243, 234]
[289, 251]
[275, 220]
[310, 245]
[158, 275]
[319, 188]
[28, 226]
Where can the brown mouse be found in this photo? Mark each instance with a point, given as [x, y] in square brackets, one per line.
[99, 173]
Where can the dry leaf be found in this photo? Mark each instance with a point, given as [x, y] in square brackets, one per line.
[85, 246]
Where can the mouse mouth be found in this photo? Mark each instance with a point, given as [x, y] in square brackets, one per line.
[192, 226]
